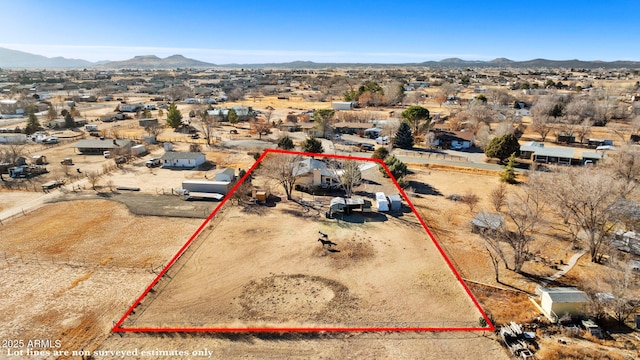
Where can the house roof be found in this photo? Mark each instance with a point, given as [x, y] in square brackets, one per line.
[592, 155]
[102, 144]
[555, 152]
[176, 155]
[307, 166]
[531, 146]
[351, 125]
[488, 220]
[566, 295]
[454, 135]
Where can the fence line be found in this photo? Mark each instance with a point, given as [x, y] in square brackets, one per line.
[429, 155]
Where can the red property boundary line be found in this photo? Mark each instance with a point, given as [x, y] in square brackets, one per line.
[119, 329]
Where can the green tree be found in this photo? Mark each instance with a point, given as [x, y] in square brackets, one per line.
[174, 117]
[481, 98]
[312, 145]
[418, 117]
[146, 114]
[502, 147]
[323, 120]
[396, 167]
[285, 143]
[68, 121]
[32, 123]
[403, 138]
[380, 153]
[232, 115]
[508, 175]
[52, 114]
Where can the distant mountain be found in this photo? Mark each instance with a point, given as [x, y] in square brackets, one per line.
[18, 59]
[23, 60]
[154, 62]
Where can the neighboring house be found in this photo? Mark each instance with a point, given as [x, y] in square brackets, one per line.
[528, 149]
[189, 160]
[9, 107]
[13, 138]
[453, 139]
[289, 126]
[98, 147]
[314, 172]
[562, 156]
[555, 302]
[310, 129]
[350, 127]
[60, 122]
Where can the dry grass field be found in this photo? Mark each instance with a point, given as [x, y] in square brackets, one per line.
[267, 269]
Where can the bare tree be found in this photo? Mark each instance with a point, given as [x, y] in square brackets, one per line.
[93, 177]
[585, 198]
[523, 214]
[541, 121]
[625, 165]
[349, 176]
[625, 300]
[470, 199]
[207, 126]
[282, 169]
[498, 197]
[153, 130]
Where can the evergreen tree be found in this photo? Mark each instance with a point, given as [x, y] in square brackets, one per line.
[380, 153]
[174, 117]
[508, 175]
[69, 122]
[502, 147]
[418, 117]
[285, 143]
[32, 123]
[397, 168]
[403, 138]
[233, 116]
[312, 145]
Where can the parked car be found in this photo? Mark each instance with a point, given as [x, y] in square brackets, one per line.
[120, 160]
[51, 140]
[382, 140]
[456, 147]
[153, 162]
[233, 131]
[367, 147]
[106, 154]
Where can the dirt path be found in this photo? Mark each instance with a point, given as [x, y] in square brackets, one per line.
[565, 269]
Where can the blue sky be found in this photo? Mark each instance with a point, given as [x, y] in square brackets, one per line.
[225, 32]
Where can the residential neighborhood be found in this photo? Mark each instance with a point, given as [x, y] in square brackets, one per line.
[376, 198]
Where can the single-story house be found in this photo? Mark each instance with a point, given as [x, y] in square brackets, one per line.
[453, 139]
[555, 302]
[350, 127]
[225, 174]
[13, 138]
[148, 122]
[174, 159]
[310, 129]
[9, 107]
[61, 122]
[98, 147]
[289, 126]
[486, 221]
[554, 155]
[314, 172]
[528, 149]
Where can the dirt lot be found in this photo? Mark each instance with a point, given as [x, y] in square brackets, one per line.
[267, 269]
[69, 280]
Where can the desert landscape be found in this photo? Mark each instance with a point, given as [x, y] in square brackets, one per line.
[171, 208]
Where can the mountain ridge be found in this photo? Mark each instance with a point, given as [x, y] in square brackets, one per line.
[22, 60]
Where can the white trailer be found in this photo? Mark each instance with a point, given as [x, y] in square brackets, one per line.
[206, 186]
[382, 204]
[91, 127]
[138, 150]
